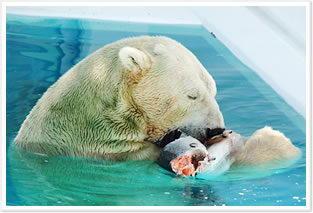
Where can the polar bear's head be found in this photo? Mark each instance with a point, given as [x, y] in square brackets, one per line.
[172, 89]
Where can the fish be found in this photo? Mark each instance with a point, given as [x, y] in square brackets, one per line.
[186, 156]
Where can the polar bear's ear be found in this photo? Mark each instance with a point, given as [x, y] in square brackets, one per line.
[134, 60]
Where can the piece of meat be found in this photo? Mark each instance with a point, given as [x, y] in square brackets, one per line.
[183, 166]
[190, 163]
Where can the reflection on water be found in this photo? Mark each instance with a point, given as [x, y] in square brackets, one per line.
[40, 50]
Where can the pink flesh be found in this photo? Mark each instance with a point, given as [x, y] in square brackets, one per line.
[182, 165]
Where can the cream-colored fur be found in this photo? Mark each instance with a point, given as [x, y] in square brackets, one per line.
[119, 100]
[264, 146]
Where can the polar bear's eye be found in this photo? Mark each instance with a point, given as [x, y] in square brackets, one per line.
[193, 94]
[192, 97]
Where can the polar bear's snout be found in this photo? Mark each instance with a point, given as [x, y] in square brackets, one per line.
[204, 122]
[213, 132]
[203, 134]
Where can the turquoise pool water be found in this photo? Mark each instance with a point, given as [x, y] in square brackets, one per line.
[40, 50]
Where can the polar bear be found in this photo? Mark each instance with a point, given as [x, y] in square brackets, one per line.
[122, 99]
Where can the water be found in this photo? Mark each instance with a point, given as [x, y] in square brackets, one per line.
[40, 50]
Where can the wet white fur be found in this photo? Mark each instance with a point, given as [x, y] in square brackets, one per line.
[264, 146]
[120, 99]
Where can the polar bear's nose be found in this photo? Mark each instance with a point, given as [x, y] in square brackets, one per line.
[213, 132]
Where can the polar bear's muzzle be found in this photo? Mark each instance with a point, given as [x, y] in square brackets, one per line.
[202, 134]
[213, 132]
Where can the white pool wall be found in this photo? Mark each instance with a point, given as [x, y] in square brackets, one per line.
[270, 40]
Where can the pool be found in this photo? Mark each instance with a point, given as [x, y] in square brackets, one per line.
[40, 50]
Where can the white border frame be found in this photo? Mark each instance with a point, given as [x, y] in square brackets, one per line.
[308, 206]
